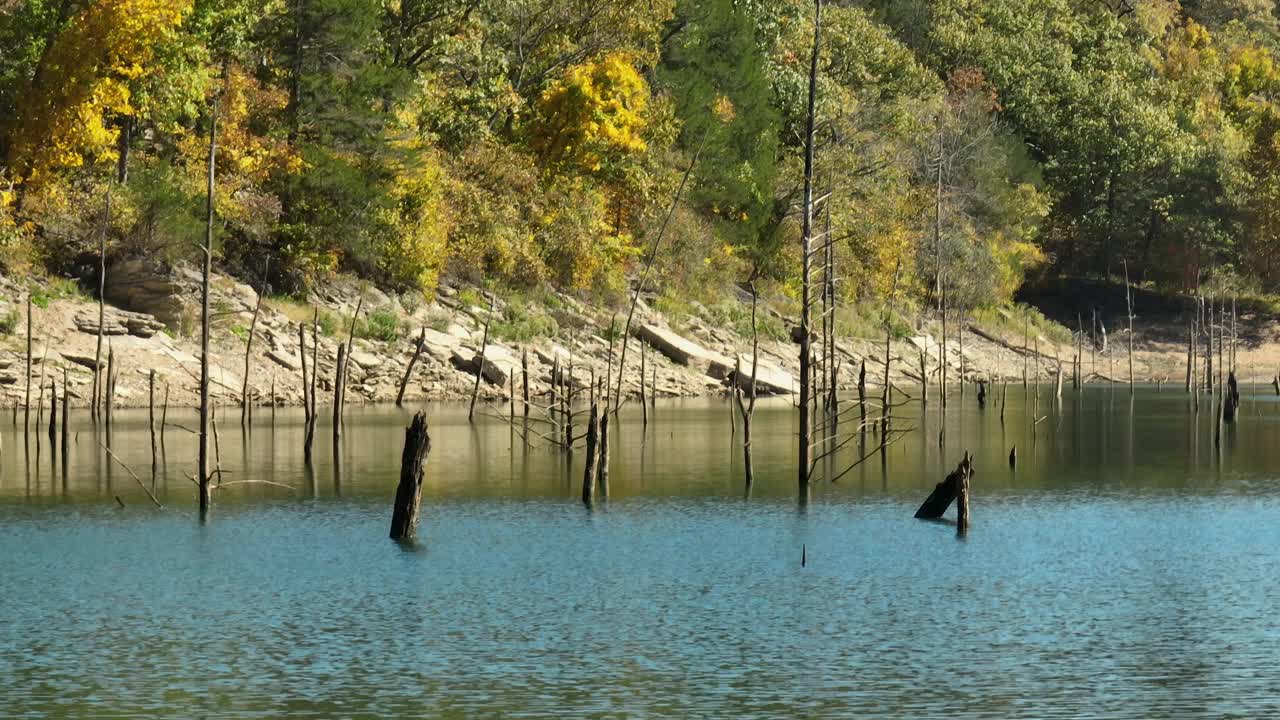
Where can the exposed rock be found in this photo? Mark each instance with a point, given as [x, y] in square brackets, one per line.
[678, 349]
[769, 379]
[172, 295]
[119, 322]
[287, 360]
[366, 360]
[85, 361]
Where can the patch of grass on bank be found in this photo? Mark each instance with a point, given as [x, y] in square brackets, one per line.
[524, 318]
[55, 288]
[1012, 322]
[9, 322]
[382, 325]
[866, 320]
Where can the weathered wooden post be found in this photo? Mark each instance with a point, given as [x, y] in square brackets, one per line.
[1128, 298]
[408, 502]
[589, 472]
[408, 371]
[982, 394]
[1013, 457]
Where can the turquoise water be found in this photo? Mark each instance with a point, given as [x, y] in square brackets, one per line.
[1125, 568]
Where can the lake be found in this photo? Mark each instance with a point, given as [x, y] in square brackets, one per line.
[1124, 568]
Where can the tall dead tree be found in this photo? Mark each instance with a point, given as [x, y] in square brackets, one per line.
[1128, 299]
[26, 403]
[205, 270]
[748, 408]
[481, 359]
[806, 260]
[102, 289]
[408, 371]
[248, 352]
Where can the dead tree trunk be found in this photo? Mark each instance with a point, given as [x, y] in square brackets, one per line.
[408, 503]
[602, 468]
[26, 402]
[102, 289]
[644, 400]
[589, 472]
[947, 491]
[408, 371]
[480, 363]
[1231, 398]
[1128, 299]
[339, 367]
[151, 412]
[53, 413]
[111, 385]
[66, 418]
[206, 269]
[1191, 349]
[345, 377]
[245, 410]
[806, 261]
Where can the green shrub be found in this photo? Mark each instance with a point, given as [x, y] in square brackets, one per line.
[383, 325]
[520, 322]
[9, 322]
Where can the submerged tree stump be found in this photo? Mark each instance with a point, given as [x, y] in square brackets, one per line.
[1231, 400]
[417, 444]
[948, 491]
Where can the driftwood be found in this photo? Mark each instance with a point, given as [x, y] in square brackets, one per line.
[949, 490]
[408, 503]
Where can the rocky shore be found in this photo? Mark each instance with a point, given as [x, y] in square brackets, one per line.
[152, 319]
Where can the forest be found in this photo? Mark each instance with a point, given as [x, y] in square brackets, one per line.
[962, 146]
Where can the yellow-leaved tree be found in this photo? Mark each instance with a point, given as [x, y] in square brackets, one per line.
[593, 116]
[64, 117]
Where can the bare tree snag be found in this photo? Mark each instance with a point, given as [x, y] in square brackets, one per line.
[26, 402]
[589, 472]
[806, 255]
[480, 363]
[408, 502]
[248, 355]
[1128, 298]
[206, 270]
[111, 385]
[338, 368]
[102, 289]
[947, 491]
[408, 371]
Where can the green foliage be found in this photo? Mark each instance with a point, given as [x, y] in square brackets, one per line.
[9, 322]
[525, 143]
[521, 321]
[383, 325]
